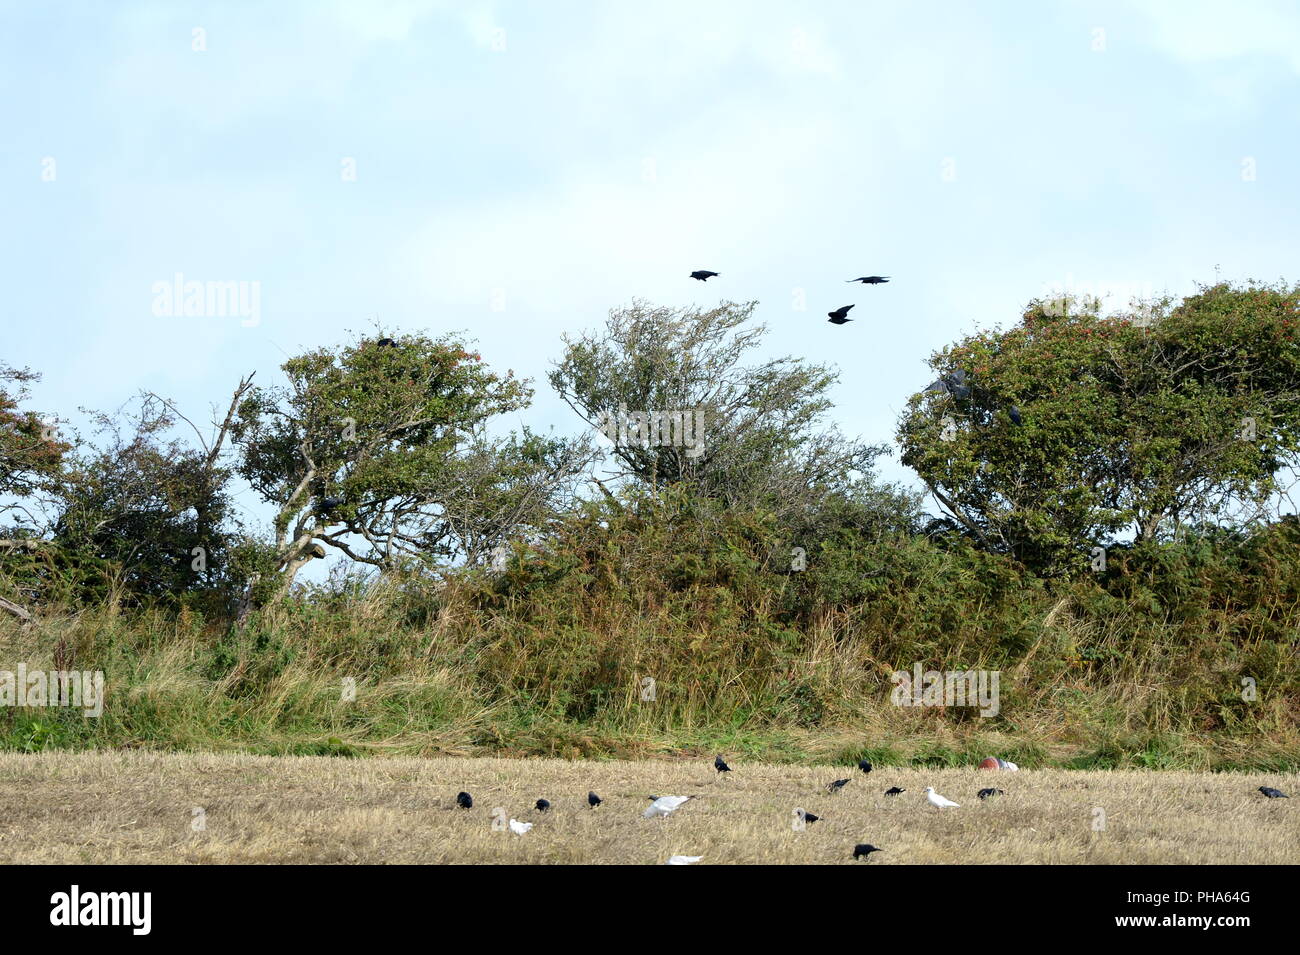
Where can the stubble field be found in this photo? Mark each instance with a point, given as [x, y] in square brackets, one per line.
[134, 807]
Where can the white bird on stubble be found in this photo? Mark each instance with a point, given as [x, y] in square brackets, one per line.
[936, 800]
[519, 828]
[663, 805]
[683, 860]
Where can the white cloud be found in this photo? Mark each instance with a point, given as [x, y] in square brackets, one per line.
[1202, 32]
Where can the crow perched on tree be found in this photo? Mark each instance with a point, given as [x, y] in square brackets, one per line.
[864, 849]
[720, 765]
[465, 800]
[702, 275]
[1015, 415]
[593, 800]
[328, 504]
[871, 279]
[386, 343]
[954, 383]
[840, 315]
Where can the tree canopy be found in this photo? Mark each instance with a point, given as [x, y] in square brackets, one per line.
[1144, 423]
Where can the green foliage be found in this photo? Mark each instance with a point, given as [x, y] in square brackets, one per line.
[765, 441]
[375, 450]
[1126, 424]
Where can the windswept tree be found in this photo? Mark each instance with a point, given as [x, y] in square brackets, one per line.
[672, 390]
[31, 459]
[30, 449]
[1146, 424]
[145, 513]
[378, 449]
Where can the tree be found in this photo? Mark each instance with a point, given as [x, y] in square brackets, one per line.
[31, 452]
[670, 389]
[31, 458]
[1141, 423]
[152, 514]
[377, 449]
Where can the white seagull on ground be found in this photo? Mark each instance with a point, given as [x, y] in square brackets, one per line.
[663, 805]
[683, 860]
[519, 828]
[937, 800]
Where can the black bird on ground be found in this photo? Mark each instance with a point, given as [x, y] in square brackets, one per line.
[864, 766]
[871, 279]
[986, 793]
[840, 315]
[542, 805]
[837, 785]
[1272, 793]
[702, 275]
[808, 817]
[464, 800]
[894, 791]
[720, 764]
[1015, 415]
[386, 343]
[865, 849]
[593, 800]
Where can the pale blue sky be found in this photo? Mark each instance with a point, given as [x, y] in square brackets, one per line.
[577, 155]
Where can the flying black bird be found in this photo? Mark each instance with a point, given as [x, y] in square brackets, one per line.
[720, 765]
[986, 793]
[864, 766]
[386, 343]
[702, 275]
[593, 800]
[542, 805]
[864, 849]
[840, 315]
[837, 785]
[1015, 415]
[1272, 793]
[894, 791]
[465, 800]
[872, 279]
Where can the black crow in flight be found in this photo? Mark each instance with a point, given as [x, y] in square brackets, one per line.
[872, 279]
[840, 315]
[702, 275]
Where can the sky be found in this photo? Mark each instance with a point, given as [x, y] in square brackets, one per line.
[515, 170]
